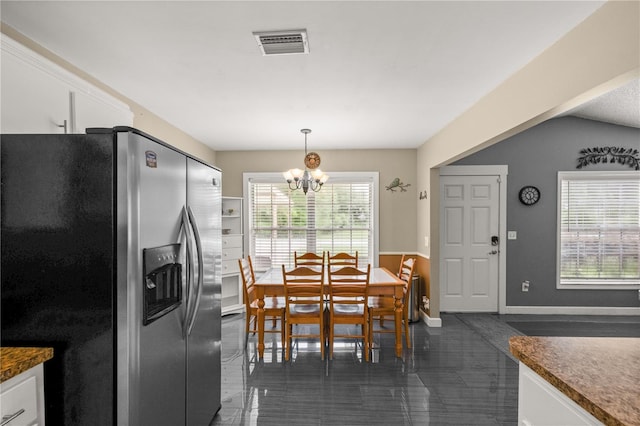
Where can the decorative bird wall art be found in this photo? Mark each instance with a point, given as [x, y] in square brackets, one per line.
[397, 183]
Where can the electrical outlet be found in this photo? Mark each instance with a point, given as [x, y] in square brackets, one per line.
[525, 285]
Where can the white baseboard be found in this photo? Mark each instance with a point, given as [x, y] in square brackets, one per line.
[572, 310]
[431, 322]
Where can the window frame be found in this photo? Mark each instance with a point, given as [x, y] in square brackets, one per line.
[590, 284]
[275, 177]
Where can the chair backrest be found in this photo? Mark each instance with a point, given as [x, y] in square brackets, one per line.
[303, 286]
[248, 280]
[349, 284]
[342, 259]
[407, 265]
[308, 259]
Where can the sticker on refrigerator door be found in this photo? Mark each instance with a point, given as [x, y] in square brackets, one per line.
[152, 160]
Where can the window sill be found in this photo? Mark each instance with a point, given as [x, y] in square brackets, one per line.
[599, 285]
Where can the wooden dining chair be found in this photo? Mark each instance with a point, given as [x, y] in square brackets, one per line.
[342, 259]
[303, 290]
[348, 301]
[308, 259]
[274, 307]
[381, 307]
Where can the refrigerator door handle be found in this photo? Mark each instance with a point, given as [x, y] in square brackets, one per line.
[184, 228]
[200, 281]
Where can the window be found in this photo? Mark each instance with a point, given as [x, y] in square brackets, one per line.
[599, 230]
[341, 217]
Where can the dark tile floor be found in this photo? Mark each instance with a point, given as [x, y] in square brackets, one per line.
[460, 374]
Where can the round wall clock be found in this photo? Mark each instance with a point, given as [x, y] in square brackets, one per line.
[529, 195]
[312, 160]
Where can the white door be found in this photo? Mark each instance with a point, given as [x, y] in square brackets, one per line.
[469, 243]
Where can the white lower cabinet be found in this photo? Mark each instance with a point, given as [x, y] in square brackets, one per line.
[540, 403]
[232, 297]
[232, 250]
[232, 293]
[22, 399]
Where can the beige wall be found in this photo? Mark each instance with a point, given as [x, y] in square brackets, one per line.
[397, 209]
[143, 119]
[600, 54]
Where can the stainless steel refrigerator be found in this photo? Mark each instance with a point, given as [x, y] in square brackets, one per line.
[111, 254]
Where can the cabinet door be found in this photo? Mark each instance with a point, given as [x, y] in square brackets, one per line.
[232, 294]
[22, 398]
[38, 96]
[539, 403]
[33, 101]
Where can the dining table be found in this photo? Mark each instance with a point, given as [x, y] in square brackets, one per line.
[382, 282]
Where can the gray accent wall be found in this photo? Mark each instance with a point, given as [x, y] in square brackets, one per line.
[534, 158]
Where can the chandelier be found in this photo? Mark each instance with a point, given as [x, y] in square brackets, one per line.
[311, 177]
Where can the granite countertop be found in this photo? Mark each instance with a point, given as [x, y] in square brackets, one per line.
[601, 374]
[14, 361]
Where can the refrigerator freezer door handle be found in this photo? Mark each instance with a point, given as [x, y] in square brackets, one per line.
[184, 228]
[196, 234]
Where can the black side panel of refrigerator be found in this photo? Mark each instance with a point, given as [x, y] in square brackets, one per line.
[58, 267]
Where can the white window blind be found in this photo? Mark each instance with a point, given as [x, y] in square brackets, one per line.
[338, 218]
[599, 229]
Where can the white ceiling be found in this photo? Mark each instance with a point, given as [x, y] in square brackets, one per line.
[381, 74]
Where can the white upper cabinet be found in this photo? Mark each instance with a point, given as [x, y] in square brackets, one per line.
[39, 96]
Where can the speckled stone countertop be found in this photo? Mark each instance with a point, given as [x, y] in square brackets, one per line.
[14, 361]
[601, 374]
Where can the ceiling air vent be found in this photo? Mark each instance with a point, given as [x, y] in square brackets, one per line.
[282, 42]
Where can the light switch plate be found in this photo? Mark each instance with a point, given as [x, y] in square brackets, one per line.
[512, 235]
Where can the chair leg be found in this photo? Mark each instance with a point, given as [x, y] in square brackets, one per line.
[370, 330]
[365, 341]
[405, 319]
[326, 334]
[282, 332]
[323, 344]
[330, 339]
[287, 352]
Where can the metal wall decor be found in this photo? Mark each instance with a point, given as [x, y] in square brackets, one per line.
[397, 183]
[609, 154]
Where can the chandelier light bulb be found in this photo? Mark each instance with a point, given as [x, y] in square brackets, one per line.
[306, 179]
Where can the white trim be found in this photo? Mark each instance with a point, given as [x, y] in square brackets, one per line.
[586, 283]
[335, 176]
[502, 172]
[400, 253]
[396, 253]
[425, 256]
[34, 59]
[431, 322]
[572, 310]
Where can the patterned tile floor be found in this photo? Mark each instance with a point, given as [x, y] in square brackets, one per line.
[451, 376]
[460, 374]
